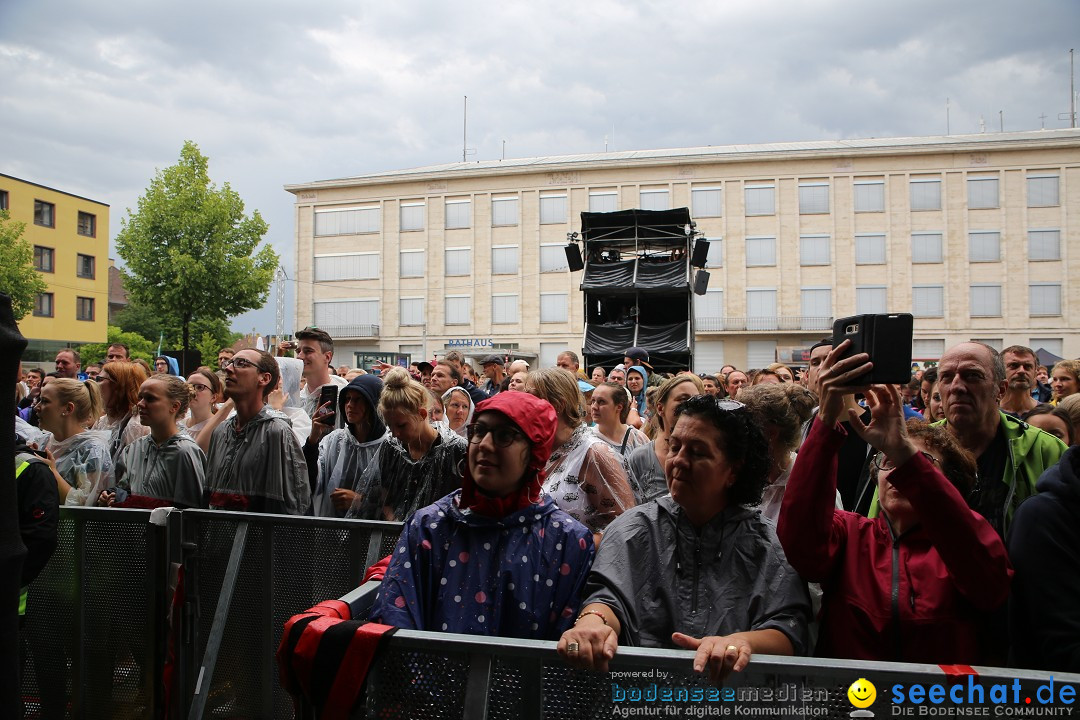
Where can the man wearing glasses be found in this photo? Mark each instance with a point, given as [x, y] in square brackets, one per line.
[255, 463]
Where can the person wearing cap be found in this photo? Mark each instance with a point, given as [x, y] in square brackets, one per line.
[425, 368]
[637, 356]
[493, 371]
[495, 557]
[517, 366]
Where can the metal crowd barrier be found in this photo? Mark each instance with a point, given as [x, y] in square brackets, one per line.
[101, 640]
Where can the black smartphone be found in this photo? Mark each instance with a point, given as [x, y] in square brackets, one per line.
[328, 394]
[886, 338]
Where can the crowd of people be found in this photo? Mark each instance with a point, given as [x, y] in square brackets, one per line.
[748, 511]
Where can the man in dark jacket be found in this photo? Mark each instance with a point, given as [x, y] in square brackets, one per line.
[1044, 545]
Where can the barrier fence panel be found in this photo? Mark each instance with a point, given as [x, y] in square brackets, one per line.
[93, 638]
[287, 564]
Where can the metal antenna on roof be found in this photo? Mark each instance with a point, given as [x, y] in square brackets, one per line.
[465, 149]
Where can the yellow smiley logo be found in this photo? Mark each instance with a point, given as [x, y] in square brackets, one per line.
[862, 693]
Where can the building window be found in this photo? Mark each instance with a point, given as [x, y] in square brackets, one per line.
[982, 193]
[870, 249]
[813, 198]
[87, 224]
[709, 310]
[655, 199]
[871, 300]
[412, 216]
[984, 246]
[554, 307]
[458, 310]
[552, 209]
[356, 318]
[504, 211]
[43, 259]
[985, 300]
[928, 301]
[869, 196]
[925, 194]
[761, 309]
[760, 199]
[3, 199]
[1044, 244]
[924, 349]
[458, 214]
[504, 309]
[1045, 299]
[996, 343]
[603, 201]
[1051, 345]
[84, 266]
[44, 214]
[412, 311]
[814, 250]
[43, 305]
[347, 221]
[458, 261]
[707, 202]
[1042, 191]
[817, 308]
[351, 266]
[715, 258]
[504, 260]
[412, 263]
[760, 251]
[553, 258]
[926, 248]
[84, 308]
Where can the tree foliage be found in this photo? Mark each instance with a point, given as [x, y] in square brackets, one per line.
[208, 336]
[190, 252]
[17, 275]
[138, 347]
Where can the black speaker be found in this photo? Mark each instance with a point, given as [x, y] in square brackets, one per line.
[573, 257]
[701, 253]
[701, 281]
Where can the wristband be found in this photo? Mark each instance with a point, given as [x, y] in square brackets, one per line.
[597, 613]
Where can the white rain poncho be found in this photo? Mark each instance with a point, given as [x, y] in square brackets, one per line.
[589, 480]
[173, 471]
[630, 439]
[394, 485]
[84, 461]
[122, 431]
[291, 372]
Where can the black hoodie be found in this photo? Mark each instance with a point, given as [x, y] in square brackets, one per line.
[370, 387]
[1044, 546]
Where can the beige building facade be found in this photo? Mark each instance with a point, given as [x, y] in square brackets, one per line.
[975, 235]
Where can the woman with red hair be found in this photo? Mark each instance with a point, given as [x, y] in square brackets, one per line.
[496, 557]
[119, 383]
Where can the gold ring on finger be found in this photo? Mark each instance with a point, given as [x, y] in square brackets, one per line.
[733, 647]
[571, 647]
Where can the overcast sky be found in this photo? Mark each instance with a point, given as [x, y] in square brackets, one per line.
[98, 95]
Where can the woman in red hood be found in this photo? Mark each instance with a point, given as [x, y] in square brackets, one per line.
[495, 557]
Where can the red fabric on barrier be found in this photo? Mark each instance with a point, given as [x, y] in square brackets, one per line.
[353, 670]
[954, 673]
[378, 570]
[144, 502]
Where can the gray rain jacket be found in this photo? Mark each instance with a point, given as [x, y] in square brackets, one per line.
[173, 471]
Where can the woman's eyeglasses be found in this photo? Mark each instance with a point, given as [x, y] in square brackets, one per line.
[882, 463]
[504, 435]
[238, 362]
[199, 387]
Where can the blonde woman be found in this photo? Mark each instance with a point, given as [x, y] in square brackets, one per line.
[1065, 379]
[79, 457]
[417, 464]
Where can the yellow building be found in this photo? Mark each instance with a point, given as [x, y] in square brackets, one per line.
[70, 237]
[975, 235]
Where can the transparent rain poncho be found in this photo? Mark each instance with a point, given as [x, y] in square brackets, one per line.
[83, 460]
[589, 480]
[394, 485]
[342, 461]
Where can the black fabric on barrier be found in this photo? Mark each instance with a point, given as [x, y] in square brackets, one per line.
[663, 338]
[609, 276]
[662, 275]
[608, 339]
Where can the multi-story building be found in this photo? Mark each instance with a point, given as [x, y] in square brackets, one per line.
[70, 236]
[975, 235]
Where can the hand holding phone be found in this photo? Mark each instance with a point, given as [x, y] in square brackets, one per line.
[886, 338]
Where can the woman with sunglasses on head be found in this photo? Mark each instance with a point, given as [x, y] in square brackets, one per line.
[166, 467]
[417, 464]
[699, 568]
[119, 384]
[496, 557]
[915, 583]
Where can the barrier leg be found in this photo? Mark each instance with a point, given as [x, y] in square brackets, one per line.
[217, 630]
[477, 687]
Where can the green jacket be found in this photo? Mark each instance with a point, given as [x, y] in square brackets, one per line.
[1031, 452]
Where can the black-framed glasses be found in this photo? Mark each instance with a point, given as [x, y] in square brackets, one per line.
[882, 463]
[238, 362]
[199, 386]
[504, 435]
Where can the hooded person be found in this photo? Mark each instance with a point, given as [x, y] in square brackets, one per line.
[638, 393]
[286, 398]
[172, 365]
[495, 557]
[342, 455]
[453, 416]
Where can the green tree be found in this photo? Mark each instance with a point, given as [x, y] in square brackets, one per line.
[190, 252]
[17, 275]
[138, 346]
[207, 335]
